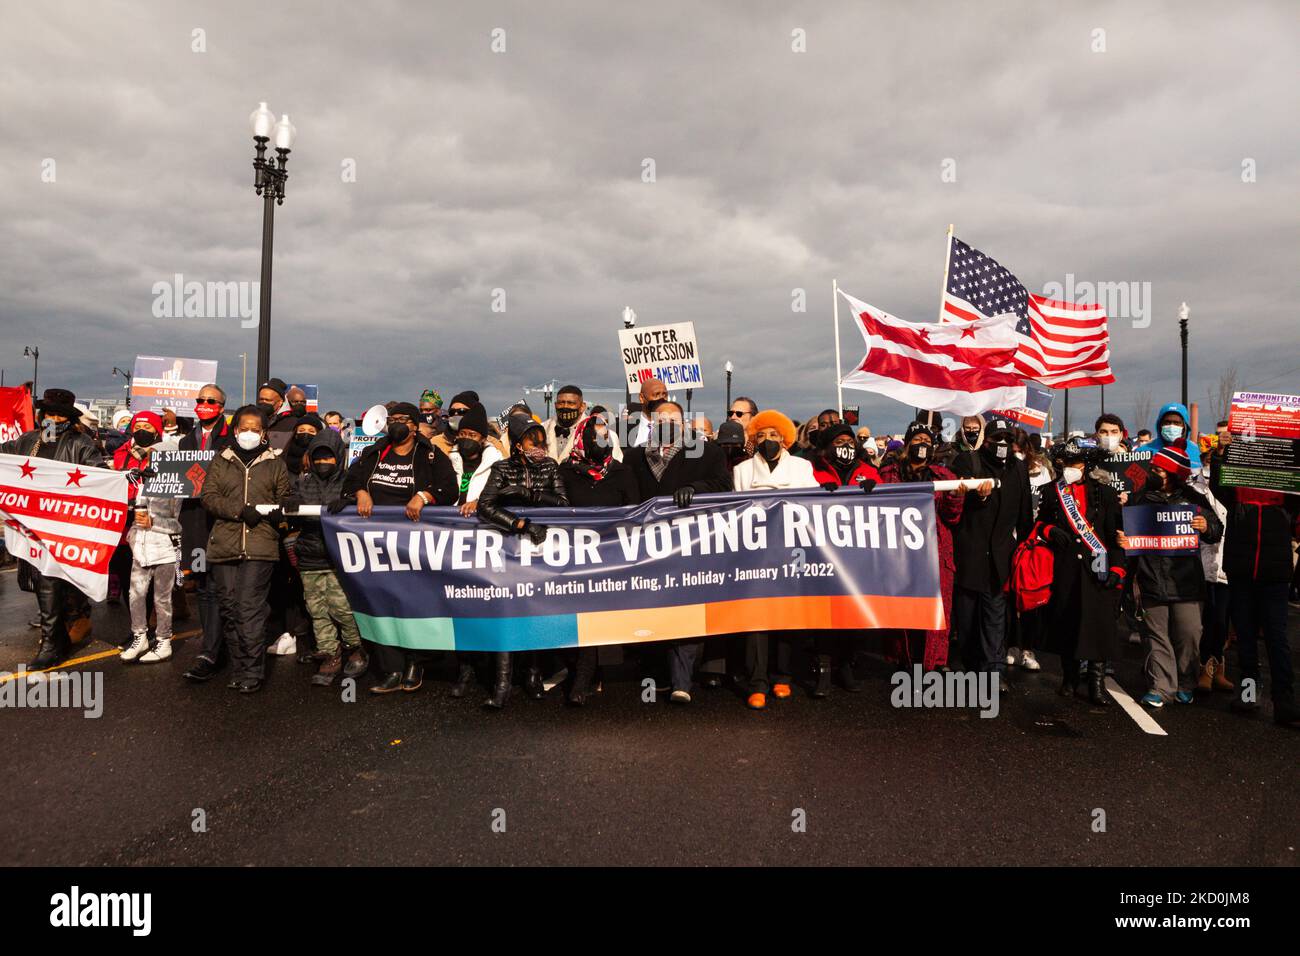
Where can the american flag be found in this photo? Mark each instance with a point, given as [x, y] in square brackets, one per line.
[947, 368]
[1060, 344]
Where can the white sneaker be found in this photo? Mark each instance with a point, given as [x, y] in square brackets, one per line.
[680, 697]
[162, 651]
[1013, 656]
[139, 644]
[286, 645]
[1029, 662]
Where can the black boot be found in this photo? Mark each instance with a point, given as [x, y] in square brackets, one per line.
[821, 678]
[51, 652]
[1097, 695]
[583, 675]
[413, 679]
[1069, 677]
[533, 685]
[848, 680]
[500, 682]
[464, 680]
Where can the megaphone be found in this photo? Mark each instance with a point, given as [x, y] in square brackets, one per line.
[375, 420]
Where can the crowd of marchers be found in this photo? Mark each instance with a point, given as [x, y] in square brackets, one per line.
[266, 584]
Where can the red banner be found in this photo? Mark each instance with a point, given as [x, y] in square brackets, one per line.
[16, 414]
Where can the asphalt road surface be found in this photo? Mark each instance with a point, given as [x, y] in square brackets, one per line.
[296, 775]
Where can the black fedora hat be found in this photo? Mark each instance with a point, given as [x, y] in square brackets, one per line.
[59, 401]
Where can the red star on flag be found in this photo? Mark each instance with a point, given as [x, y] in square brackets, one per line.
[74, 477]
[968, 332]
[28, 469]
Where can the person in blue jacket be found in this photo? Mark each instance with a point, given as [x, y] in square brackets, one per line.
[1173, 423]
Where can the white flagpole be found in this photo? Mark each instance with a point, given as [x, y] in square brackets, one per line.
[839, 372]
[943, 290]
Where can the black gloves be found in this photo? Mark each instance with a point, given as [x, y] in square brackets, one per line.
[275, 516]
[250, 516]
[334, 507]
[1114, 581]
[536, 532]
[868, 485]
[830, 486]
[683, 496]
[1059, 536]
[292, 503]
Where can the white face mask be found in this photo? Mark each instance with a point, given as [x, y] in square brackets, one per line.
[1108, 442]
[1072, 475]
[249, 440]
[1020, 455]
[1001, 451]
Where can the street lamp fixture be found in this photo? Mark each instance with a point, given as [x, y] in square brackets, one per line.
[269, 177]
[1183, 313]
[126, 375]
[35, 352]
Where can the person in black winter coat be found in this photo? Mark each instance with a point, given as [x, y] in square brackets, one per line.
[403, 469]
[321, 483]
[527, 477]
[593, 479]
[58, 437]
[1173, 585]
[1088, 567]
[666, 466]
[1257, 560]
[993, 521]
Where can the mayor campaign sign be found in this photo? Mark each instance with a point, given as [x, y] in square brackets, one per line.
[727, 564]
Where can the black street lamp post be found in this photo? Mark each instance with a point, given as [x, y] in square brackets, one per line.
[268, 181]
[1183, 312]
[126, 375]
[35, 352]
[726, 412]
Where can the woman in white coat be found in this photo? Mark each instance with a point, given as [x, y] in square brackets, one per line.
[771, 468]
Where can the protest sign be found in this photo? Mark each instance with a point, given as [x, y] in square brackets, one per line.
[1031, 416]
[1127, 470]
[177, 473]
[1265, 448]
[313, 400]
[729, 564]
[16, 414]
[162, 382]
[1161, 529]
[65, 520]
[666, 352]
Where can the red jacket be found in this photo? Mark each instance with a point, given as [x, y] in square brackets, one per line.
[825, 472]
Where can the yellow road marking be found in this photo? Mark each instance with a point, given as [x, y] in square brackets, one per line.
[99, 656]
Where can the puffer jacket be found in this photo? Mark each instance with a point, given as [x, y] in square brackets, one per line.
[73, 446]
[311, 489]
[1193, 449]
[520, 482]
[230, 486]
[1175, 577]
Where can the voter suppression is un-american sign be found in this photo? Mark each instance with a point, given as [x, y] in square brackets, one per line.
[669, 353]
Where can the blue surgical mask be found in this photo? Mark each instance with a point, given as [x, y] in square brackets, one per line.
[1171, 432]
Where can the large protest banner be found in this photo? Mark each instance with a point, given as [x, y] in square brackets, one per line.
[16, 415]
[1265, 448]
[669, 353]
[1032, 415]
[64, 520]
[728, 564]
[174, 473]
[1161, 529]
[162, 382]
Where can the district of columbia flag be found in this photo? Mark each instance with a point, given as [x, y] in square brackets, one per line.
[1061, 344]
[946, 367]
[63, 519]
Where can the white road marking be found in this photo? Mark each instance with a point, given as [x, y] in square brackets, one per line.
[1134, 709]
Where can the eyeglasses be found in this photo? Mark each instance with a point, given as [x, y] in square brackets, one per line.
[735, 414]
[399, 419]
[208, 401]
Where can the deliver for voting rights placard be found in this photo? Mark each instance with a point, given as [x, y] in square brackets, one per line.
[1161, 529]
[1265, 448]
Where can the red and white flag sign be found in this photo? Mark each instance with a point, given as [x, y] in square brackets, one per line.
[65, 520]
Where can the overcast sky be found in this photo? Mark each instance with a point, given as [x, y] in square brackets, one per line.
[775, 170]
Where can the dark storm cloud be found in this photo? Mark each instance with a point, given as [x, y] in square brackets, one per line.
[775, 171]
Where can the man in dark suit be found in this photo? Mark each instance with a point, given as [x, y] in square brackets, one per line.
[993, 521]
[673, 463]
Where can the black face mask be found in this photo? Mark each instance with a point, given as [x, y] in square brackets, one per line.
[429, 418]
[735, 455]
[567, 416]
[299, 409]
[398, 432]
[469, 448]
[144, 438]
[267, 409]
[770, 449]
[845, 454]
[918, 453]
[302, 440]
[972, 437]
[650, 406]
[324, 469]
